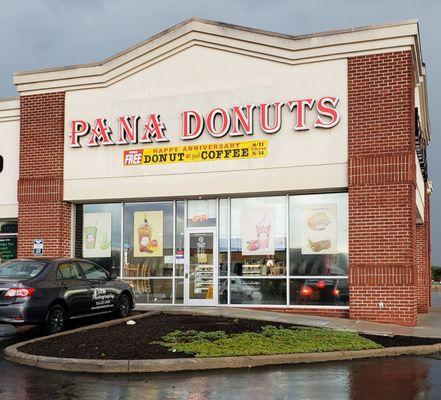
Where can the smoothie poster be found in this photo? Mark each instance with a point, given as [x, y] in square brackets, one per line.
[148, 233]
[258, 231]
[319, 229]
[97, 235]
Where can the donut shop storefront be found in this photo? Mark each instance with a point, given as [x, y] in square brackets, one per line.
[210, 165]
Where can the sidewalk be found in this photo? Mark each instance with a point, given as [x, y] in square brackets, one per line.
[429, 325]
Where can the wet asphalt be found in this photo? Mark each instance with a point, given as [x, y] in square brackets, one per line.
[402, 378]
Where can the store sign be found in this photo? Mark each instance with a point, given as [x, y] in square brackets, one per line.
[196, 153]
[8, 248]
[219, 122]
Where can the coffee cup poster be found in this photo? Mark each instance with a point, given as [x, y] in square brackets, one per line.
[319, 229]
[148, 233]
[258, 231]
[97, 235]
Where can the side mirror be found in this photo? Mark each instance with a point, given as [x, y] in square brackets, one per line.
[113, 276]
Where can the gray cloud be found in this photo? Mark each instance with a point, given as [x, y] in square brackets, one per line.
[47, 33]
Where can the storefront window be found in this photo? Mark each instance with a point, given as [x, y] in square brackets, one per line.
[252, 248]
[258, 291]
[223, 237]
[99, 229]
[319, 292]
[201, 213]
[258, 237]
[319, 235]
[152, 290]
[148, 240]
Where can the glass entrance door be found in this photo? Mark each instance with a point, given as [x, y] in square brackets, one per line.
[200, 267]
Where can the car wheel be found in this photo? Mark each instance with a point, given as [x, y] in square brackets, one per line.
[56, 319]
[123, 306]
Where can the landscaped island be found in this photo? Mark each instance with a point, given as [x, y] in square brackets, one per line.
[165, 336]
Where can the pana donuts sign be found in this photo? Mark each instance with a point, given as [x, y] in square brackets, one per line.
[236, 121]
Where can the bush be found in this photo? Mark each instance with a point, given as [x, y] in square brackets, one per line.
[271, 340]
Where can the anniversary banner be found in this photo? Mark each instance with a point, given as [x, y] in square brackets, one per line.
[197, 153]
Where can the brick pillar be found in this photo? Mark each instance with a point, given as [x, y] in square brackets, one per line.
[42, 213]
[382, 211]
[424, 267]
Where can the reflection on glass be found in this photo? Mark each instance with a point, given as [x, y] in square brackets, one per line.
[179, 291]
[148, 239]
[258, 291]
[112, 262]
[223, 237]
[258, 236]
[319, 292]
[152, 290]
[180, 245]
[201, 266]
[319, 234]
[223, 291]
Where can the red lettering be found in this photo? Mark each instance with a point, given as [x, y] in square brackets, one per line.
[301, 112]
[246, 121]
[264, 117]
[329, 112]
[128, 129]
[154, 128]
[225, 122]
[100, 134]
[187, 132]
[79, 128]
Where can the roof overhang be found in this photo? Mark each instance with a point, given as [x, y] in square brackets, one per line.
[250, 42]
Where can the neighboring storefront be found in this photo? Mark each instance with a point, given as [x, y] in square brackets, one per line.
[225, 166]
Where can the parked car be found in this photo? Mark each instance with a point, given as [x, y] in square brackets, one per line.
[322, 291]
[50, 292]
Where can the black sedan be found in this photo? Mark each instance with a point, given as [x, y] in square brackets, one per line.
[49, 292]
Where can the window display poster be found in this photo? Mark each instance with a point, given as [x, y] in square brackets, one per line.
[97, 235]
[258, 231]
[148, 235]
[8, 248]
[319, 229]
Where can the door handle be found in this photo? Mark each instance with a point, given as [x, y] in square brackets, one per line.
[186, 275]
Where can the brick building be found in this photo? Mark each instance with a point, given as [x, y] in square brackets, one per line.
[215, 164]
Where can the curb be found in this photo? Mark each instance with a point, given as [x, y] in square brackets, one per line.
[11, 353]
[192, 364]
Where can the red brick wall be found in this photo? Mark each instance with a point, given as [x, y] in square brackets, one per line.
[424, 273]
[382, 223]
[320, 312]
[42, 214]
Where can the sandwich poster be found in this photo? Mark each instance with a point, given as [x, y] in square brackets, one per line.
[319, 229]
[97, 235]
[148, 233]
[258, 231]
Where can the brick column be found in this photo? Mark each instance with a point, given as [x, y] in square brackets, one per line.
[42, 213]
[424, 267]
[382, 211]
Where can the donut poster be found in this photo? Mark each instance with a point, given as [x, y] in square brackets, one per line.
[258, 231]
[319, 229]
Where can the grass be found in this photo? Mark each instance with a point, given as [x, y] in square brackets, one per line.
[271, 340]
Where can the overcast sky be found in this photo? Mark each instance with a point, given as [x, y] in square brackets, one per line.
[47, 33]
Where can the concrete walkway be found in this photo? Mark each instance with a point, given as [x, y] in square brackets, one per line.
[429, 325]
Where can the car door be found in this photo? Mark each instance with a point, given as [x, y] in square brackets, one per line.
[75, 289]
[103, 291]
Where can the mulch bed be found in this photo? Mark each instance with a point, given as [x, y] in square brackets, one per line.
[122, 341]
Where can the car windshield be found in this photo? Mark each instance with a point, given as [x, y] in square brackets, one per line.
[21, 269]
